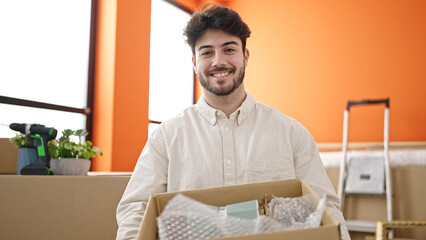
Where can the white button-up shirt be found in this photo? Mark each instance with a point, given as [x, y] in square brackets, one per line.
[202, 148]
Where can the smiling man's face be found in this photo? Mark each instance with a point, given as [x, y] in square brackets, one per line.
[220, 62]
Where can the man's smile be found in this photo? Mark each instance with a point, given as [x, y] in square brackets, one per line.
[221, 74]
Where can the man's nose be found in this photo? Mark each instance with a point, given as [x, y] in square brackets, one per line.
[218, 60]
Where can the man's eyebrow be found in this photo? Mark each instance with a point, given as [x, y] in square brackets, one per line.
[204, 46]
[230, 43]
[224, 44]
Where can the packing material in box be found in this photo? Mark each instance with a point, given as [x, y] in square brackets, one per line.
[221, 196]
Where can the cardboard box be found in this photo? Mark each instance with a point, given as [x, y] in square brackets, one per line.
[8, 157]
[59, 207]
[221, 196]
[408, 201]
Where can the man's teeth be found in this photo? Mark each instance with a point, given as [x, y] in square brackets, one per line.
[222, 74]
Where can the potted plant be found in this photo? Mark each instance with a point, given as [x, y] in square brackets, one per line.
[26, 152]
[70, 155]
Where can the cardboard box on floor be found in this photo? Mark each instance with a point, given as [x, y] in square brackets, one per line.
[59, 207]
[408, 201]
[221, 196]
[8, 157]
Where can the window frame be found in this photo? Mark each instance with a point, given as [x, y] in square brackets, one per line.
[88, 111]
[182, 7]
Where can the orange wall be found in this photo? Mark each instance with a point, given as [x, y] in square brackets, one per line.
[190, 4]
[307, 58]
[121, 82]
[104, 83]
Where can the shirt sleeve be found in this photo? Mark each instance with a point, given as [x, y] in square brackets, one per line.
[149, 177]
[308, 166]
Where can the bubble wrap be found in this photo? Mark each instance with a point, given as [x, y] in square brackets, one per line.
[300, 212]
[186, 219]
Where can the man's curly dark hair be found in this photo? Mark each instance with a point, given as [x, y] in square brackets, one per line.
[217, 17]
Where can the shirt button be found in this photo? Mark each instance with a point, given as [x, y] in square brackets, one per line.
[212, 120]
[227, 129]
[228, 162]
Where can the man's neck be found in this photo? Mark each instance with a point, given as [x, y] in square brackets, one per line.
[227, 104]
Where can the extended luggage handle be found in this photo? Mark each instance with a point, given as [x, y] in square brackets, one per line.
[367, 102]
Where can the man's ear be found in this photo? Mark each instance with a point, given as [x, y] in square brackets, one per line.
[193, 63]
[246, 56]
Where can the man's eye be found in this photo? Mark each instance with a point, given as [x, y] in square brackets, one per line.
[229, 50]
[206, 53]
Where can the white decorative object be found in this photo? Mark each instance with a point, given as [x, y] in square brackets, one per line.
[70, 166]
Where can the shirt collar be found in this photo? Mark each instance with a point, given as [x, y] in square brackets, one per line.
[211, 114]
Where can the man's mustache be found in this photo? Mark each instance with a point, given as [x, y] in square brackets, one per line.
[220, 69]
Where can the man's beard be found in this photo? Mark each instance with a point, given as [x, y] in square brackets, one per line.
[222, 91]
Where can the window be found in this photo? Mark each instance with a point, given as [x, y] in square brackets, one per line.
[171, 80]
[44, 58]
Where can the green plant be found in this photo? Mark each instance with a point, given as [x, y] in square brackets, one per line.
[69, 147]
[21, 141]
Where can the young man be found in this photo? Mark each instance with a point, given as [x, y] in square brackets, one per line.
[227, 138]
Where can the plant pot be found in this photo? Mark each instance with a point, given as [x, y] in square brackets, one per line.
[70, 166]
[26, 156]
